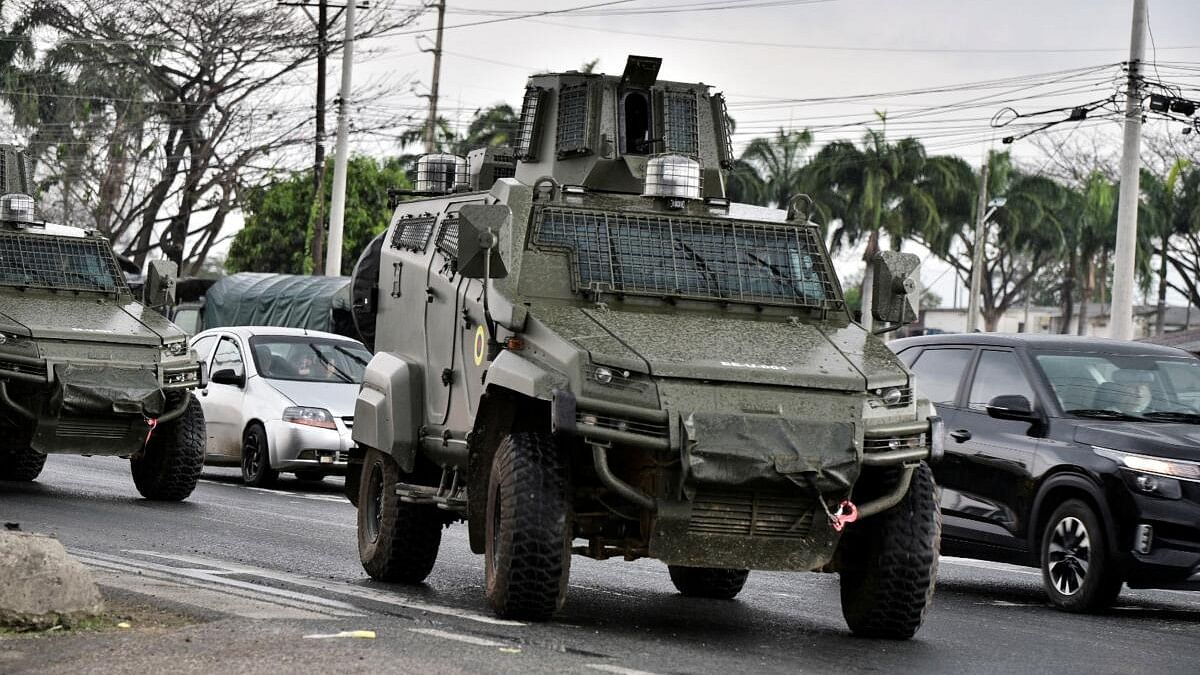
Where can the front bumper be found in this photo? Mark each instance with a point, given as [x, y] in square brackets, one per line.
[1171, 556]
[296, 447]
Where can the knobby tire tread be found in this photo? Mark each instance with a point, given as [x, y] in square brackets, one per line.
[169, 467]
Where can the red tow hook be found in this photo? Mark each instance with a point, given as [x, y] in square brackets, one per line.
[846, 513]
[152, 422]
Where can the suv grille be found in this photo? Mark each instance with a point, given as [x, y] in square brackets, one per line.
[752, 514]
[888, 443]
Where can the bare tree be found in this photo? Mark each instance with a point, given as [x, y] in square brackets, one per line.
[189, 103]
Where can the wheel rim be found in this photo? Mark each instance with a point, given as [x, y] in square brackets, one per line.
[251, 455]
[374, 505]
[1069, 555]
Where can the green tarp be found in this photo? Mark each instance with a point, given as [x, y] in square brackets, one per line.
[257, 299]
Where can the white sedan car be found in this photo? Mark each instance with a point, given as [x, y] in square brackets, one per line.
[279, 399]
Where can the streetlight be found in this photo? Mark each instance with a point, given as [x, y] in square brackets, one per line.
[977, 261]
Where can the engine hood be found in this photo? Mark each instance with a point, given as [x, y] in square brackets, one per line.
[1160, 439]
[83, 318]
[728, 348]
[335, 397]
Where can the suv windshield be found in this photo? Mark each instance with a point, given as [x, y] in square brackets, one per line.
[309, 359]
[689, 257]
[31, 260]
[1124, 386]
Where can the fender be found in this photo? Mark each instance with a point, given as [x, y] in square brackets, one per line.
[520, 375]
[1080, 482]
[387, 412]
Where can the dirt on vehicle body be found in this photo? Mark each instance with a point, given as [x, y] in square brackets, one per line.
[602, 355]
[84, 367]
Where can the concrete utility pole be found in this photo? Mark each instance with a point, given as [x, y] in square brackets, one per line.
[977, 259]
[431, 121]
[337, 210]
[1121, 314]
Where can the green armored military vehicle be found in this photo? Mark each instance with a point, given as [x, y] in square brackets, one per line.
[84, 367]
[592, 351]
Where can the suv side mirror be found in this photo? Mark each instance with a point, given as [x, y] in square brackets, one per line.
[227, 376]
[478, 233]
[160, 284]
[897, 287]
[1012, 407]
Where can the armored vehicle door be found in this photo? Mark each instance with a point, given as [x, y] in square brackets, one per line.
[222, 401]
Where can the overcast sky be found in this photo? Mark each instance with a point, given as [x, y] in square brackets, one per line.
[771, 58]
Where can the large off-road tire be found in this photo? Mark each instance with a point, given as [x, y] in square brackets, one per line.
[169, 466]
[397, 541]
[1078, 573]
[18, 461]
[528, 542]
[888, 564]
[256, 458]
[708, 582]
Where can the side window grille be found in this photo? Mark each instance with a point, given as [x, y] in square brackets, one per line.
[530, 127]
[573, 109]
[721, 126]
[679, 122]
[412, 234]
[447, 241]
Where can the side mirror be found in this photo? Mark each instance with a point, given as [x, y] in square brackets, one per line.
[227, 376]
[1012, 407]
[897, 287]
[160, 284]
[478, 233]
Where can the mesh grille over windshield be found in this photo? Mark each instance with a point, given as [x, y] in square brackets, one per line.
[687, 257]
[63, 263]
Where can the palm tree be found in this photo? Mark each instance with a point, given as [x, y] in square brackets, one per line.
[1159, 217]
[779, 161]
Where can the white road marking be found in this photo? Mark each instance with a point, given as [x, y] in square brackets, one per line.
[458, 637]
[281, 516]
[341, 588]
[606, 668]
[989, 565]
[282, 493]
[604, 590]
[210, 580]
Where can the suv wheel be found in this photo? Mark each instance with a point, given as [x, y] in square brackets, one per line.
[256, 458]
[528, 542]
[708, 582]
[1077, 572]
[168, 468]
[18, 461]
[888, 564]
[397, 541]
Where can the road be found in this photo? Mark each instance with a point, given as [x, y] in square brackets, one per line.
[266, 568]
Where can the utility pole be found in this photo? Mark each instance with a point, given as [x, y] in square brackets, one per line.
[337, 211]
[1121, 314]
[977, 259]
[431, 122]
[318, 234]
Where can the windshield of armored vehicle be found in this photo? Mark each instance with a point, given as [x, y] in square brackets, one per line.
[31, 260]
[688, 257]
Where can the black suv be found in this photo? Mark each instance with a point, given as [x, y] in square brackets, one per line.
[1078, 455]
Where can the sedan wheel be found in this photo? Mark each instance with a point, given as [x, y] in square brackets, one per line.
[256, 458]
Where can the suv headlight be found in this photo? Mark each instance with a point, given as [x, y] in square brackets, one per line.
[1152, 475]
[309, 417]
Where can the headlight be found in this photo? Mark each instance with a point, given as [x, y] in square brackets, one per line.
[309, 417]
[176, 348]
[889, 397]
[1158, 466]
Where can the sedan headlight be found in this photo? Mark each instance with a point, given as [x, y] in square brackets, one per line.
[309, 417]
[1158, 466]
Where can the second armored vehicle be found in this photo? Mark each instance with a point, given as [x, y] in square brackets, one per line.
[601, 355]
[84, 367]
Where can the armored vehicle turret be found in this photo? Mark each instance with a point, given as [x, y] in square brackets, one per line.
[603, 356]
[85, 368]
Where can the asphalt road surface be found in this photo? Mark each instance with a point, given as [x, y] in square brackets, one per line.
[263, 569]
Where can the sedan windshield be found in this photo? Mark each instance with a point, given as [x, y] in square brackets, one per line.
[309, 359]
[1123, 387]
